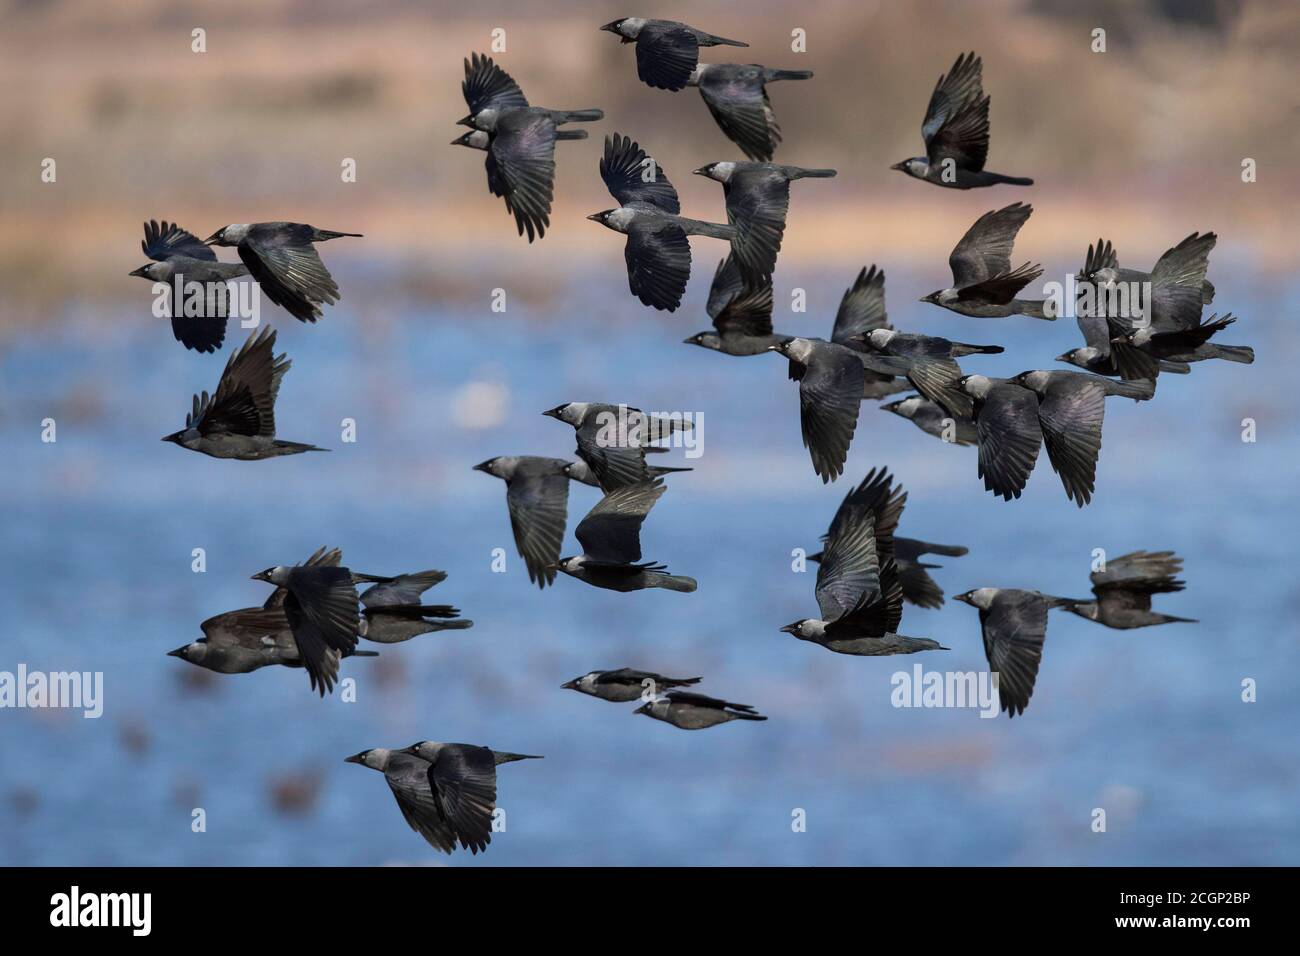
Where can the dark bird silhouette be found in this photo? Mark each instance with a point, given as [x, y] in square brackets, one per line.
[657, 253]
[581, 472]
[741, 310]
[736, 95]
[932, 365]
[181, 257]
[320, 602]
[956, 133]
[667, 52]
[934, 419]
[1143, 353]
[392, 611]
[491, 92]
[1123, 590]
[983, 283]
[537, 498]
[282, 257]
[690, 711]
[625, 684]
[238, 420]
[918, 587]
[613, 440]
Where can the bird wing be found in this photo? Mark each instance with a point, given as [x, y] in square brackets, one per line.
[538, 506]
[1146, 572]
[1001, 288]
[1009, 438]
[321, 557]
[918, 587]
[322, 608]
[830, 396]
[742, 110]
[1014, 629]
[524, 153]
[658, 258]
[487, 86]
[408, 778]
[463, 780]
[956, 123]
[737, 305]
[1133, 363]
[633, 176]
[403, 589]
[611, 531]
[1177, 280]
[878, 496]
[169, 241]
[666, 55]
[615, 463]
[985, 250]
[878, 612]
[862, 308]
[757, 205]
[244, 403]
[287, 267]
[246, 627]
[204, 333]
[1071, 416]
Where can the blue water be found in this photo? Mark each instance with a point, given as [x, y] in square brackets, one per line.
[1150, 725]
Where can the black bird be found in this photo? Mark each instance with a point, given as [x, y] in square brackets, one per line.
[862, 311]
[238, 420]
[282, 258]
[918, 587]
[983, 283]
[581, 472]
[181, 256]
[320, 602]
[858, 590]
[1143, 353]
[932, 364]
[690, 711]
[741, 310]
[490, 92]
[392, 612]
[934, 419]
[1093, 359]
[657, 254]
[625, 684]
[667, 52]
[1123, 590]
[613, 440]
[1014, 625]
[736, 95]
[758, 201]
[537, 497]
[956, 133]
[446, 792]
[610, 536]
[1007, 431]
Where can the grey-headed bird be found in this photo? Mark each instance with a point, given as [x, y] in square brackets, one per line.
[1143, 353]
[320, 602]
[613, 440]
[934, 419]
[537, 498]
[1122, 590]
[690, 711]
[392, 612]
[741, 310]
[932, 364]
[490, 92]
[625, 684]
[667, 52]
[736, 95]
[983, 283]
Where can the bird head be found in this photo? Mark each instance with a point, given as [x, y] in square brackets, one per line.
[981, 598]
[424, 749]
[571, 684]
[270, 575]
[718, 172]
[176, 438]
[475, 139]
[976, 386]
[570, 565]
[601, 217]
[559, 412]
[933, 297]
[904, 407]
[230, 235]
[375, 759]
[629, 28]
[966, 598]
[705, 340]
[157, 271]
[916, 166]
[643, 709]
[485, 466]
[797, 628]
[1080, 357]
[188, 652]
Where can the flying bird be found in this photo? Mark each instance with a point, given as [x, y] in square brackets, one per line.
[934, 419]
[1014, 626]
[1122, 590]
[490, 92]
[282, 257]
[1143, 353]
[625, 684]
[613, 440]
[918, 587]
[690, 711]
[320, 602]
[537, 498]
[667, 52]
[238, 420]
[741, 310]
[956, 133]
[736, 95]
[581, 472]
[181, 256]
[983, 283]
[392, 611]
[932, 365]
[610, 536]
[657, 253]
[447, 792]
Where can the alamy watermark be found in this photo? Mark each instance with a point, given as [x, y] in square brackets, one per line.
[76, 690]
[968, 689]
[632, 428]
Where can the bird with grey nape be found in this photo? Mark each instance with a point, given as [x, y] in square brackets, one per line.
[447, 792]
[932, 361]
[1007, 431]
[858, 591]
[667, 52]
[391, 609]
[581, 472]
[490, 92]
[956, 133]
[1143, 353]
[1014, 626]
[1122, 590]
[736, 95]
[320, 602]
[690, 711]
[610, 536]
[741, 310]
[238, 420]
[758, 201]
[625, 684]
[934, 419]
[862, 311]
[983, 283]
[613, 440]
[282, 257]
[180, 258]
[537, 499]
[657, 253]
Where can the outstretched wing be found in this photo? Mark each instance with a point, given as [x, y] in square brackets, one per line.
[956, 123]
[168, 240]
[985, 250]
[862, 308]
[487, 86]
[633, 176]
[244, 403]
[611, 531]
[538, 506]
[463, 780]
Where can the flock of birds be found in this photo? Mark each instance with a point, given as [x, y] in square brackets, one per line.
[315, 616]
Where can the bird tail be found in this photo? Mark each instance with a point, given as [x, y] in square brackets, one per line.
[714, 230]
[1012, 180]
[741, 715]
[676, 582]
[968, 349]
[1234, 353]
[570, 134]
[658, 470]
[798, 172]
[324, 234]
[772, 75]
[511, 758]
[1033, 309]
[1170, 619]
[679, 681]
[1177, 368]
[723, 41]
[457, 625]
[294, 446]
[581, 116]
[1139, 390]
[356, 653]
[947, 550]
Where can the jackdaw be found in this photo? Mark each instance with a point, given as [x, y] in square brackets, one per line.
[320, 602]
[446, 792]
[758, 201]
[392, 612]
[932, 365]
[610, 536]
[490, 92]
[238, 420]
[1014, 625]
[741, 310]
[625, 684]
[657, 253]
[581, 472]
[736, 95]
[690, 711]
[282, 258]
[667, 52]
[861, 311]
[613, 440]
[918, 587]
[537, 498]
[956, 133]
[1007, 430]
[181, 257]
[1123, 590]
[1144, 353]
[934, 419]
[983, 283]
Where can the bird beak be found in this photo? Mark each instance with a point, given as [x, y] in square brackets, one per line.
[899, 166]
[554, 412]
[139, 272]
[964, 598]
[1064, 358]
[890, 406]
[213, 238]
[482, 465]
[552, 567]
[179, 652]
[259, 576]
[596, 216]
[609, 27]
[569, 684]
[789, 629]
[355, 758]
[458, 141]
[702, 171]
[466, 121]
[643, 709]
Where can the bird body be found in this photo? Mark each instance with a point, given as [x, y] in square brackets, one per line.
[690, 711]
[983, 283]
[933, 419]
[667, 52]
[537, 498]
[1123, 588]
[736, 95]
[625, 685]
